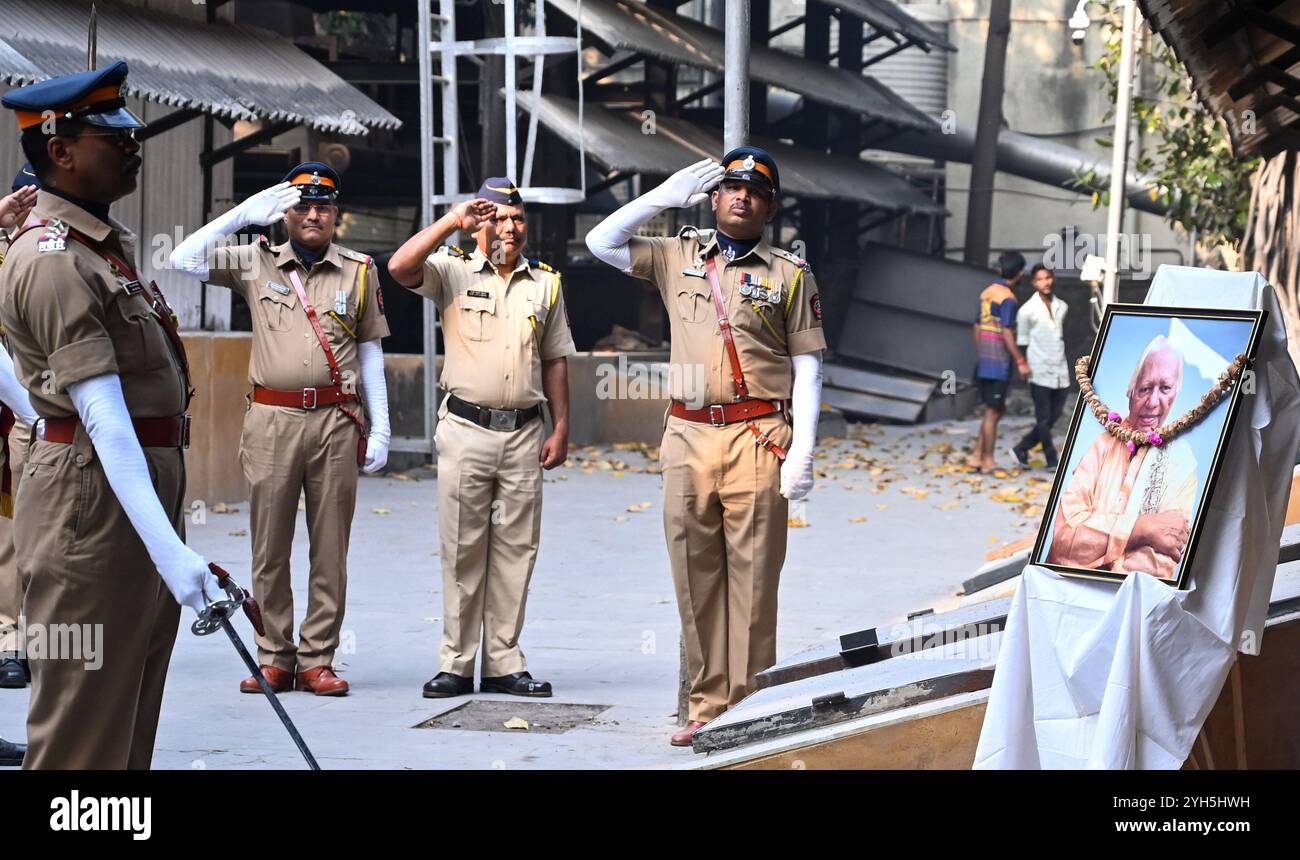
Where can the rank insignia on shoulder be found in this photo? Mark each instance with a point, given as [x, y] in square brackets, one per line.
[279, 288]
[538, 264]
[51, 243]
[817, 306]
[455, 251]
[690, 231]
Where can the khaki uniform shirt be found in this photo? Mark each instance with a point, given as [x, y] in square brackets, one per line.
[496, 333]
[767, 329]
[286, 352]
[69, 317]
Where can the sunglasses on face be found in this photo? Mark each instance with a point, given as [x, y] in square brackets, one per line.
[121, 136]
[305, 208]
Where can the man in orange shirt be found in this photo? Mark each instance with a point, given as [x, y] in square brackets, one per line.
[995, 346]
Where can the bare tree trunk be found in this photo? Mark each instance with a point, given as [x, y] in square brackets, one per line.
[1271, 245]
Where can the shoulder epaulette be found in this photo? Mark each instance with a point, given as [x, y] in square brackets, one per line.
[690, 231]
[798, 261]
[263, 239]
[455, 251]
[353, 255]
[538, 264]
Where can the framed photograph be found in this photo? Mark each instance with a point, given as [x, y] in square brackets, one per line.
[1135, 480]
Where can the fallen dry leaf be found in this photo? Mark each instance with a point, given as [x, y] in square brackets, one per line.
[640, 506]
[380, 511]
[881, 506]
[239, 533]
[857, 519]
[516, 723]
[796, 523]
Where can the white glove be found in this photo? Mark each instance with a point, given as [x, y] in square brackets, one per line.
[687, 187]
[12, 392]
[608, 241]
[265, 207]
[797, 470]
[102, 409]
[375, 388]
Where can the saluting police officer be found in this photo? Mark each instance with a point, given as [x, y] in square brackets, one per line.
[100, 510]
[318, 319]
[507, 341]
[748, 316]
[16, 417]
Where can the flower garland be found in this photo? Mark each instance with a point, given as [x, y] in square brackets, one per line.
[1159, 436]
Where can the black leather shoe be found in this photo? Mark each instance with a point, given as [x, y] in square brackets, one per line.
[445, 685]
[518, 684]
[11, 754]
[12, 674]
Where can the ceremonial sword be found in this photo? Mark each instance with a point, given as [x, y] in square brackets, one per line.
[216, 615]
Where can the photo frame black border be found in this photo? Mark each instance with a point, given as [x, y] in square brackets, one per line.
[1258, 318]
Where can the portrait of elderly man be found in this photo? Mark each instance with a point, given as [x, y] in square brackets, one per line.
[1132, 513]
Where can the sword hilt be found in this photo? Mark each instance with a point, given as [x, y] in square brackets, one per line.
[209, 620]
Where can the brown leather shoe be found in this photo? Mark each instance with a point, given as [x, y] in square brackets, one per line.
[280, 681]
[687, 735]
[322, 681]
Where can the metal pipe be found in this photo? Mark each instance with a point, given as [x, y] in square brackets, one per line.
[511, 140]
[736, 76]
[983, 174]
[1119, 162]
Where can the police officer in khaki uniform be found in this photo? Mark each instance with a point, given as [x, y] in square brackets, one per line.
[100, 509]
[746, 319]
[318, 318]
[15, 422]
[507, 341]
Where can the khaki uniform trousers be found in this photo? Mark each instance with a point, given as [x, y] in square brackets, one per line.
[490, 522]
[88, 577]
[287, 452]
[11, 590]
[725, 523]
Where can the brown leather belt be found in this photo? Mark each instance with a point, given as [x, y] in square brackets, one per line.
[303, 398]
[173, 432]
[722, 414]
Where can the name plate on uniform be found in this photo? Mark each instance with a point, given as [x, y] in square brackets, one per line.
[132, 287]
[478, 294]
[279, 288]
[693, 273]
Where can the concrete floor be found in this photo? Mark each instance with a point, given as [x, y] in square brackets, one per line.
[894, 526]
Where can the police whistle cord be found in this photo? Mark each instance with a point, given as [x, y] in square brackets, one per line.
[217, 616]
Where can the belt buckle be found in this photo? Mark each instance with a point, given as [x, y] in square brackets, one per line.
[305, 404]
[186, 420]
[502, 419]
[717, 417]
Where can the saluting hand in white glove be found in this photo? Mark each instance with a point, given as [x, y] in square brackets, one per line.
[796, 474]
[689, 186]
[190, 580]
[268, 205]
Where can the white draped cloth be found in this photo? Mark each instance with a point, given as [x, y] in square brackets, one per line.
[1094, 675]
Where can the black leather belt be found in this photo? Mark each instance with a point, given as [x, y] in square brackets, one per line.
[504, 420]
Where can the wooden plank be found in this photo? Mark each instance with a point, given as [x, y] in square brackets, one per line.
[894, 385]
[825, 699]
[857, 403]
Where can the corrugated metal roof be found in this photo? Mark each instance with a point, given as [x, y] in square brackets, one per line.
[230, 70]
[616, 140]
[635, 26]
[888, 16]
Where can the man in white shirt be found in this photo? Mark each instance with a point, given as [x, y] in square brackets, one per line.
[1040, 328]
